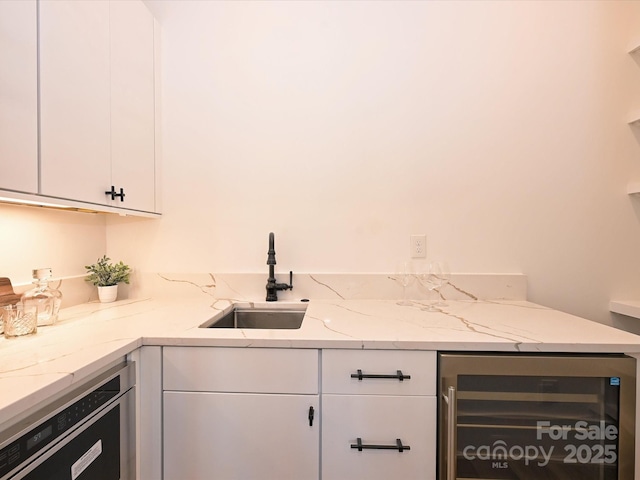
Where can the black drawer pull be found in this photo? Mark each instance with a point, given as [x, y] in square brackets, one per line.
[399, 375]
[398, 446]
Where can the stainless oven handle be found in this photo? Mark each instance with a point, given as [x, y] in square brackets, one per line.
[450, 399]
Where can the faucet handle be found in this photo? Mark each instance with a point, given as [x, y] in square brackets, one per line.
[284, 286]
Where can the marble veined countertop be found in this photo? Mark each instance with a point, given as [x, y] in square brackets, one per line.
[90, 336]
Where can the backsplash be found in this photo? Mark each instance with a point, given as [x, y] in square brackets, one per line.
[74, 290]
[251, 286]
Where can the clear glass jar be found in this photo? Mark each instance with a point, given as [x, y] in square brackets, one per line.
[19, 320]
[44, 297]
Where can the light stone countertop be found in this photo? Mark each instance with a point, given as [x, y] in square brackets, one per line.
[91, 336]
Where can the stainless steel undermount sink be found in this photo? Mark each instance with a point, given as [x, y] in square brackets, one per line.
[267, 317]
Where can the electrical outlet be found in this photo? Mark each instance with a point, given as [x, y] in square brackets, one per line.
[418, 246]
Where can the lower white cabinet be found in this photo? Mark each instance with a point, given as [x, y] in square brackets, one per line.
[268, 413]
[240, 414]
[240, 436]
[397, 436]
[148, 361]
[379, 414]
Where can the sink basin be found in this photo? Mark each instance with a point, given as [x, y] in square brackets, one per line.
[280, 317]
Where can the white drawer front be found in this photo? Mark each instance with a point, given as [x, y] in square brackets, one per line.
[250, 370]
[340, 372]
[378, 421]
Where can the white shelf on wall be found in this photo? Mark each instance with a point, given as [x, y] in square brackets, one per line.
[630, 308]
[633, 188]
[634, 50]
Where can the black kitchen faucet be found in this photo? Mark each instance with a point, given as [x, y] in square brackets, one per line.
[272, 285]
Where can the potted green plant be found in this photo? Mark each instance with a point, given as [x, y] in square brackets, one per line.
[106, 276]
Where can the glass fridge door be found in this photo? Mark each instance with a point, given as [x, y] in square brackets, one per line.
[512, 417]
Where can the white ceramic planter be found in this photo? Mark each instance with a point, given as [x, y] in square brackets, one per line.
[108, 294]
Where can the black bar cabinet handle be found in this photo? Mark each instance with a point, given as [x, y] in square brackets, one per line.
[398, 446]
[311, 416]
[113, 193]
[399, 375]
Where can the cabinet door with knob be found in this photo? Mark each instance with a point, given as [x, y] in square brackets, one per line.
[240, 436]
[132, 106]
[245, 414]
[97, 116]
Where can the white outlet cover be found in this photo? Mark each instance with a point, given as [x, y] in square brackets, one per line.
[418, 246]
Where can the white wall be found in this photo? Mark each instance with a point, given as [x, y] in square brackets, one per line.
[496, 128]
[35, 238]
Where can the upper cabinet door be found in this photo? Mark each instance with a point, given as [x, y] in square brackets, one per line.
[75, 99]
[18, 96]
[132, 105]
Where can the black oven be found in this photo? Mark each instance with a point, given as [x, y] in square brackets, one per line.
[88, 434]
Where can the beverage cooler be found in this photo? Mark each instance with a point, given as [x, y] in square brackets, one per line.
[525, 416]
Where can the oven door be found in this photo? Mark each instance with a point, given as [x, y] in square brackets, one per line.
[533, 417]
[103, 448]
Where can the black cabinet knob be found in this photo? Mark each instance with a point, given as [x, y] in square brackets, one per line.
[111, 192]
[311, 416]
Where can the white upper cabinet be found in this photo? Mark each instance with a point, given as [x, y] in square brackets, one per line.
[18, 96]
[132, 105]
[97, 102]
[75, 99]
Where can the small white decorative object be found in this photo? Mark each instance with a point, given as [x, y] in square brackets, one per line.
[108, 294]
